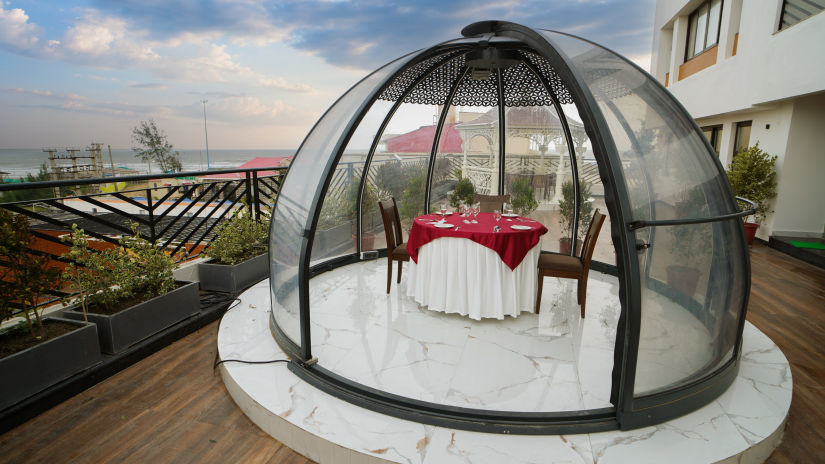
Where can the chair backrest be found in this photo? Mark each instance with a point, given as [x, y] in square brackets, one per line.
[392, 224]
[590, 239]
[490, 203]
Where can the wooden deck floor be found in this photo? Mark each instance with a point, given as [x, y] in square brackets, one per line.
[170, 407]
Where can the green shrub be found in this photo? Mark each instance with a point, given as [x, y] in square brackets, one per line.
[464, 192]
[566, 206]
[238, 239]
[389, 180]
[752, 175]
[135, 269]
[521, 197]
[412, 201]
[24, 276]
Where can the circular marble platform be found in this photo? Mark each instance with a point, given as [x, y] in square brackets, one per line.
[745, 424]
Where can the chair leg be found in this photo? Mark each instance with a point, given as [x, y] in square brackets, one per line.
[538, 294]
[582, 294]
[389, 274]
[399, 271]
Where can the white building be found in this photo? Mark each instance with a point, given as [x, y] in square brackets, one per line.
[754, 71]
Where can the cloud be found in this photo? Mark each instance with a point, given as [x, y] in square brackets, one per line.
[368, 33]
[229, 109]
[16, 32]
[95, 39]
[283, 84]
[149, 85]
[46, 93]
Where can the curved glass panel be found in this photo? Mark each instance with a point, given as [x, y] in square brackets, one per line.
[693, 275]
[335, 234]
[399, 167]
[304, 179]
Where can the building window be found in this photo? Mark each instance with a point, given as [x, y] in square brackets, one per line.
[794, 11]
[703, 28]
[743, 136]
[714, 135]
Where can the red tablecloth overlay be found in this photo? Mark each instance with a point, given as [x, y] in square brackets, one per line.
[511, 245]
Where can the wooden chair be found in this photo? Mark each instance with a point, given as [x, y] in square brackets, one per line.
[572, 267]
[490, 203]
[396, 248]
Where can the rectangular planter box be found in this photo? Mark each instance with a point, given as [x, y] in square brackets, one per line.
[234, 278]
[37, 368]
[122, 330]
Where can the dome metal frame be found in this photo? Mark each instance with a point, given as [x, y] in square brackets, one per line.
[629, 411]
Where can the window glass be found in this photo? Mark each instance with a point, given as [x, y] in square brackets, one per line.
[794, 11]
[691, 43]
[713, 23]
[703, 28]
[743, 136]
[701, 25]
[713, 134]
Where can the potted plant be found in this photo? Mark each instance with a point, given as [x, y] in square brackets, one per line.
[521, 197]
[687, 241]
[128, 290]
[39, 352]
[752, 175]
[238, 255]
[566, 207]
[369, 207]
[464, 191]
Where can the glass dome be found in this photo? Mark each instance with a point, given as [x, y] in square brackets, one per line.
[507, 104]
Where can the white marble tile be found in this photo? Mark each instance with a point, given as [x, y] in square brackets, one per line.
[706, 435]
[388, 342]
[457, 446]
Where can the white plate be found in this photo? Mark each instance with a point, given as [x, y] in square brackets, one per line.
[509, 215]
[520, 227]
[443, 226]
[448, 213]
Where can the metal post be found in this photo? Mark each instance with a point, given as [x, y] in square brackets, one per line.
[205, 134]
[150, 209]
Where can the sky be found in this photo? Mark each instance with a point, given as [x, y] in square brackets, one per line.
[74, 72]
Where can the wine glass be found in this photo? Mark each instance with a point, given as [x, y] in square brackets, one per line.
[443, 209]
[476, 210]
[497, 215]
[508, 208]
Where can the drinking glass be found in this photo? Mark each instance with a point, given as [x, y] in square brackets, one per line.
[476, 210]
[497, 215]
[508, 208]
[443, 209]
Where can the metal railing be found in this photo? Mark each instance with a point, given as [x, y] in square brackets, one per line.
[178, 212]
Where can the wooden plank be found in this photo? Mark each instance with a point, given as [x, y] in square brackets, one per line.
[171, 407]
[787, 303]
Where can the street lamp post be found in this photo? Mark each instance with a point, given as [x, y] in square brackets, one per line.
[205, 134]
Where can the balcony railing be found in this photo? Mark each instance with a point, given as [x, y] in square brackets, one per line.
[178, 212]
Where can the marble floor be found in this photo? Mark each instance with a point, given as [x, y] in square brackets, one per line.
[551, 362]
[554, 361]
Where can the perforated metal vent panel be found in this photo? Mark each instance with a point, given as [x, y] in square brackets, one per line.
[521, 86]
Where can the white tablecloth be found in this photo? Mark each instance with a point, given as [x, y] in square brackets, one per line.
[457, 275]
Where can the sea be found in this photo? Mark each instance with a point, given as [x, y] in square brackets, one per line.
[18, 162]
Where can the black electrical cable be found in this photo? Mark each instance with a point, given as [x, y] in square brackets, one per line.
[217, 362]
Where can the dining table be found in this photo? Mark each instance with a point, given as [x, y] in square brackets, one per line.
[478, 267]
